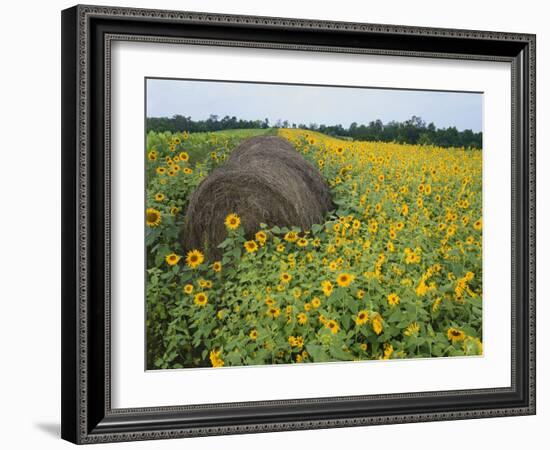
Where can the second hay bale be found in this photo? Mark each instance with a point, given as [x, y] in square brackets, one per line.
[264, 181]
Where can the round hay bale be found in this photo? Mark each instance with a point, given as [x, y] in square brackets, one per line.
[255, 151]
[264, 181]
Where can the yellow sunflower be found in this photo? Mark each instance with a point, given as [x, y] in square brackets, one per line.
[261, 237]
[194, 258]
[388, 350]
[217, 266]
[478, 224]
[327, 288]
[344, 279]
[232, 221]
[455, 335]
[251, 246]
[362, 317]
[188, 289]
[215, 358]
[152, 217]
[172, 259]
[412, 330]
[393, 299]
[201, 299]
[377, 324]
[332, 325]
[291, 236]
[273, 312]
[302, 242]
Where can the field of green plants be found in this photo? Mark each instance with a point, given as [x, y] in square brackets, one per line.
[394, 272]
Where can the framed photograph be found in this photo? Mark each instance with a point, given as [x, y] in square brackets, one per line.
[280, 224]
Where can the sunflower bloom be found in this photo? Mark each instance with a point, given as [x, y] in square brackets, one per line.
[377, 324]
[388, 350]
[478, 224]
[393, 299]
[172, 259]
[201, 299]
[333, 326]
[274, 312]
[412, 330]
[344, 279]
[327, 288]
[194, 258]
[188, 289]
[362, 317]
[232, 221]
[215, 358]
[286, 277]
[152, 217]
[261, 237]
[455, 335]
[291, 236]
[302, 242]
[251, 246]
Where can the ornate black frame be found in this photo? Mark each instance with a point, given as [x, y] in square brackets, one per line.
[87, 32]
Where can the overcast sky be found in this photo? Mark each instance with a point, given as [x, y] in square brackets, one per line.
[311, 104]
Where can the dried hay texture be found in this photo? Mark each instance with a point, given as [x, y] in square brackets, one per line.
[265, 180]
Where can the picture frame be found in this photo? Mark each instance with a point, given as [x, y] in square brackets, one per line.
[88, 33]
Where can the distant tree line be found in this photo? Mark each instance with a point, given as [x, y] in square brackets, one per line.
[412, 131]
[213, 123]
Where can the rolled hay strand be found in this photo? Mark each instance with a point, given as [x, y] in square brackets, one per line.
[264, 181]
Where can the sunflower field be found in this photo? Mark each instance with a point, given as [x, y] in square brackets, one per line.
[395, 271]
